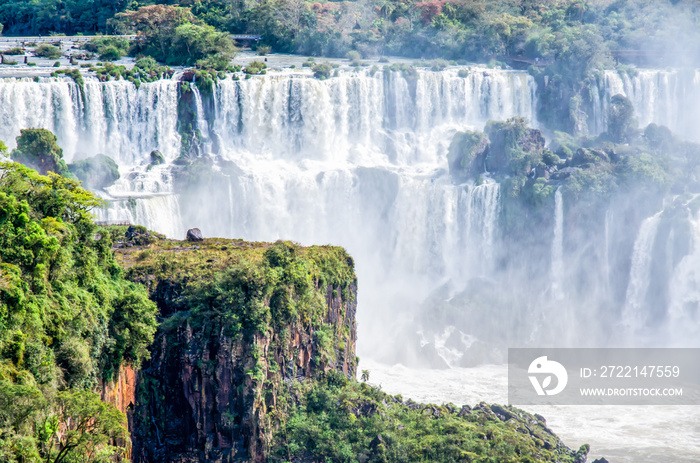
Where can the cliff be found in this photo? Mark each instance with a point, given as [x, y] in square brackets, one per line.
[239, 321]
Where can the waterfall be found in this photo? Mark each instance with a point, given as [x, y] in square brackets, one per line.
[557, 267]
[664, 97]
[482, 218]
[202, 124]
[116, 119]
[633, 315]
[606, 248]
[684, 306]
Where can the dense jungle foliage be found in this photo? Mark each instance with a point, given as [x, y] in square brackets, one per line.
[339, 420]
[561, 41]
[576, 33]
[68, 320]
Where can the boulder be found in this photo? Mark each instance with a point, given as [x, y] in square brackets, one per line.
[157, 158]
[585, 156]
[515, 148]
[466, 155]
[194, 234]
[97, 172]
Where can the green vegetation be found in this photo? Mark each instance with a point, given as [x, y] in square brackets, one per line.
[38, 149]
[13, 51]
[68, 319]
[249, 287]
[255, 68]
[48, 51]
[97, 172]
[466, 154]
[108, 48]
[565, 39]
[341, 420]
[322, 70]
[174, 36]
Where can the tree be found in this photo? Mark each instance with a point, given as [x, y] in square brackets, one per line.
[173, 35]
[192, 43]
[38, 149]
[621, 122]
[157, 24]
[87, 426]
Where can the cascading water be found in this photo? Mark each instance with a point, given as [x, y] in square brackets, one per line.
[557, 267]
[633, 314]
[113, 118]
[684, 306]
[664, 97]
[360, 160]
[357, 160]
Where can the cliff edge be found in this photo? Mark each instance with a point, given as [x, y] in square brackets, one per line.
[238, 321]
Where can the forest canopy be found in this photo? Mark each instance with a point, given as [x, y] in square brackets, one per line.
[68, 319]
[543, 30]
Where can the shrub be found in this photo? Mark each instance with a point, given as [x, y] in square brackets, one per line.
[354, 57]
[263, 50]
[57, 64]
[100, 45]
[110, 54]
[255, 68]
[147, 63]
[97, 172]
[550, 158]
[13, 51]
[322, 70]
[217, 61]
[438, 65]
[48, 51]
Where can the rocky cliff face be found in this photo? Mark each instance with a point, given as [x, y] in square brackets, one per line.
[241, 322]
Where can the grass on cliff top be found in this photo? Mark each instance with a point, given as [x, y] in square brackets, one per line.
[188, 262]
[341, 420]
[246, 287]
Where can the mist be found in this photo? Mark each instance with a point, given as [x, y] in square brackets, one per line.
[360, 160]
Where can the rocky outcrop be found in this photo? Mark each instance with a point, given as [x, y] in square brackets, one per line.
[194, 234]
[467, 155]
[515, 148]
[97, 172]
[242, 322]
[157, 158]
[121, 392]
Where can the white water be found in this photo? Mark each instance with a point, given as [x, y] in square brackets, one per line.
[359, 161]
[115, 118]
[558, 247]
[684, 308]
[633, 314]
[664, 97]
